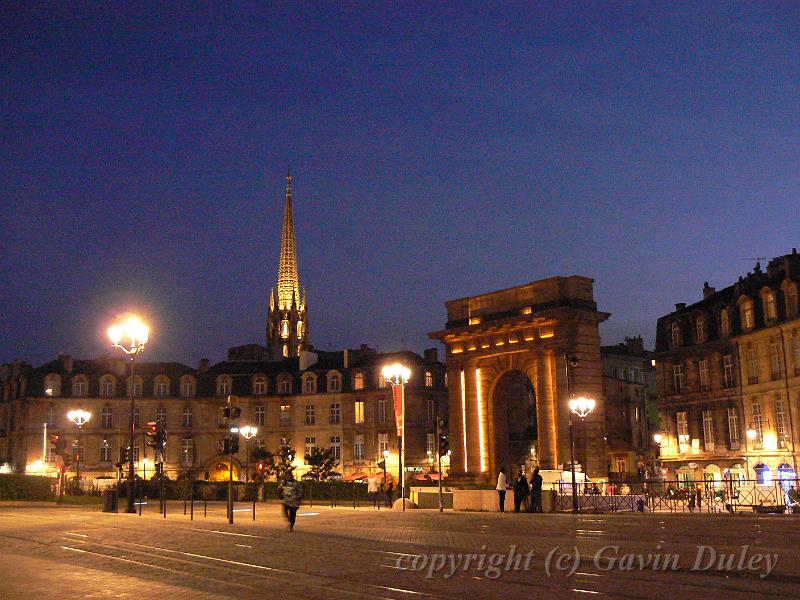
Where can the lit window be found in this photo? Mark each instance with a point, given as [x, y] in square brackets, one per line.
[285, 351]
[428, 379]
[105, 452]
[383, 443]
[358, 381]
[285, 329]
[747, 316]
[430, 444]
[359, 412]
[299, 330]
[770, 307]
[758, 425]
[311, 443]
[52, 385]
[682, 423]
[187, 452]
[285, 415]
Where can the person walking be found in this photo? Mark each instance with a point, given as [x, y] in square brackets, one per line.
[520, 491]
[502, 486]
[388, 493]
[536, 491]
[290, 493]
[372, 490]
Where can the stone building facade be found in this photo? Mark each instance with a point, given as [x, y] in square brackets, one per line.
[334, 400]
[507, 389]
[728, 373]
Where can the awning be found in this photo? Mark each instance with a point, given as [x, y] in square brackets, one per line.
[433, 476]
[356, 477]
[420, 477]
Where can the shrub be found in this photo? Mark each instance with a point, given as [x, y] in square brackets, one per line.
[25, 487]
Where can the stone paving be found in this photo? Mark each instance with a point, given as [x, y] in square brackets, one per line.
[79, 552]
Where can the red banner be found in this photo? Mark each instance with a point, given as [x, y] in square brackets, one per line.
[397, 396]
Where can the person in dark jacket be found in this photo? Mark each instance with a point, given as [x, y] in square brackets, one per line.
[536, 491]
[520, 491]
[291, 494]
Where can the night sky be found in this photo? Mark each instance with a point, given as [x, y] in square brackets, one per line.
[438, 151]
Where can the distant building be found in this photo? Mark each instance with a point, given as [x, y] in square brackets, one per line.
[728, 372]
[629, 387]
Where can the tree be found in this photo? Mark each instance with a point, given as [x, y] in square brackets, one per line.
[321, 463]
[282, 463]
[263, 461]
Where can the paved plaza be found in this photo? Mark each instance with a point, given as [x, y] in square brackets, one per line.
[79, 552]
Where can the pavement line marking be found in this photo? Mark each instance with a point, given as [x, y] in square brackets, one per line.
[78, 534]
[243, 545]
[307, 514]
[580, 591]
[231, 533]
[402, 591]
[75, 549]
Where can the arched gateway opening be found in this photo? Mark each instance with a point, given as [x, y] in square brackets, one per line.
[513, 428]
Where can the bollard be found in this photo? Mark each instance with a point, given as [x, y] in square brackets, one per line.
[184, 506]
[140, 500]
[205, 508]
[254, 508]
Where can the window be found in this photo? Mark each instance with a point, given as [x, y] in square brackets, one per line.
[381, 380]
[79, 386]
[161, 415]
[708, 430]
[285, 351]
[105, 452]
[260, 415]
[285, 415]
[311, 415]
[430, 444]
[107, 386]
[186, 418]
[285, 328]
[359, 410]
[52, 385]
[136, 454]
[758, 425]
[50, 416]
[622, 464]
[107, 417]
[221, 420]
[286, 442]
[724, 322]
[770, 307]
[748, 317]
[682, 422]
[752, 366]
[727, 370]
[187, 387]
[700, 329]
[135, 386]
[733, 428]
[358, 447]
[780, 425]
[299, 330]
[428, 379]
[791, 301]
[336, 413]
[223, 385]
[161, 387]
[702, 366]
[358, 381]
[311, 442]
[774, 360]
[676, 335]
[431, 410]
[259, 443]
[678, 379]
[382, 403]
[260, 386]
[383, 443]
[796, 353]
[334, 383]
[309, 384]
[336, 447]
[187, 452]
[285, 384]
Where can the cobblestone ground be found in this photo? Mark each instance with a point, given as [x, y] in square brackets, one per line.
[79, 552]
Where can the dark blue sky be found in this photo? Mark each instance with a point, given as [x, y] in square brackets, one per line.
[439, 150]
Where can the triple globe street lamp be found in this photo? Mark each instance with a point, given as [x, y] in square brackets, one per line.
[398, 375]
[80, 417]
[580, 407]
[130, 335]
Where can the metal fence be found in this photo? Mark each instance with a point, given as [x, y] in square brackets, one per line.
[726, 496]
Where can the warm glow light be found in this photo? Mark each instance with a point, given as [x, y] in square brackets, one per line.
[248, 432]
[464, 418]
[657, 438]
[130, 335]
[79, 417]
[546, 333]
[481, 432]
[751, 434]
[474, 320]
[582, 406]
[396, 373]
[385, 454]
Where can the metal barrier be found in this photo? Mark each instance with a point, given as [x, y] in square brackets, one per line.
[682, 496]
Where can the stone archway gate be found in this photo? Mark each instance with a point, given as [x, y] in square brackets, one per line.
[528, 328]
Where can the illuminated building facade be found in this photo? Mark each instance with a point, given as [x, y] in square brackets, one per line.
[728, 373]
[508, 393]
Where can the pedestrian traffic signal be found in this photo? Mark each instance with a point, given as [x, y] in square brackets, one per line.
[231, 445]
[444, 444]
[151, 434]
[231, 413]
[124, 456]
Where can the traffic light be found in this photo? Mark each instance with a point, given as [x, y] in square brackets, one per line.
[236, 412]
[151, 434]
[124, 456]
[382, 464]
[444, 441]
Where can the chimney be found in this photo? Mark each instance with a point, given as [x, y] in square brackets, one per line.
[202, 366]
[680, 306]
[431, 355]
[708, 291]
[66, 362]
[635, 344]
[346, 358]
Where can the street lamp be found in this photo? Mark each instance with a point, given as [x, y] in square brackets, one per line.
[80, 418]
[581, 407]
[130, 335]
[398, 375]
[247, 433]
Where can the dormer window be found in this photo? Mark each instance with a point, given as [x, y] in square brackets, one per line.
[334, 382]
[358, 381]
[80, 386]
[770, 306]
[309, 383]
[284, 383]
[700, 329]
[791, 298]
[107, 386]
[224, 385]
[260, 385]
[52, 385]
[161, 387]
[746, 313]
[187, 386]
[724, 322]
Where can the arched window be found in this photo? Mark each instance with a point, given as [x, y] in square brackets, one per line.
[700, 329]
[299, 330]
[746, 313]
[52, 385]
[285, 351]
[428, 379]
[763, 474]
[108, 385]
[224, 385]
[724, 322]
[284, 383]
[358, 381]
[187, 386]
[259, 385]
[285, 328]
[161, 386]
[675, 334]
[80, 386]
[135, 384]
[309, 383]
[334, 381]
[770, 305]
[790, 291]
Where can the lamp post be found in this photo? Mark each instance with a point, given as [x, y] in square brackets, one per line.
[752, 434]
[580, 407]
[657, 439]
[385, 458]
[80, 418]
[247, 433]
[398, 375]
[130, 335]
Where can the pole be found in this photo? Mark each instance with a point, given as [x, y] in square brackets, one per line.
[163, 491]
[131, 507]
[571, 438]
[44, 444]
[403, 443]
[230, 481]
[439, 455]
[78, 460]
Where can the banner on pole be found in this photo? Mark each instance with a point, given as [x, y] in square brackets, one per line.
[397, 395]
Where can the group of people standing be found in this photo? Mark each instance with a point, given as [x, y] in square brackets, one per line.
[378, 491]
[527, 494]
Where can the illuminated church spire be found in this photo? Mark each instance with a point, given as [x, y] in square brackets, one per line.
[287, 324]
